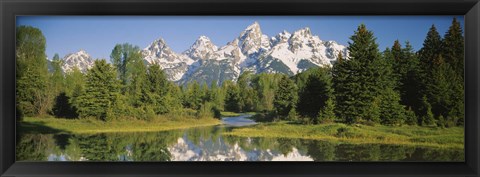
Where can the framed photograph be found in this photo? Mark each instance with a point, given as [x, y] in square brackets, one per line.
[239, 88]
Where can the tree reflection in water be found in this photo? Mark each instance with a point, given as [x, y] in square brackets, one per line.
[208, 144]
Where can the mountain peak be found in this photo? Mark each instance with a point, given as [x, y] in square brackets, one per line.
[250, 40]
[305, 32]
[81, 59]
[254, 25]
[202, 48]
[82, 51]
[203, 38]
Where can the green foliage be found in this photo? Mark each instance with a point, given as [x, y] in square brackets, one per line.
[410, 117]
[158, 93]
[453, 51]
[193, 96]
[359, 80]
[57, 79]
[285, 97]
[391, 111]
[101, 92]
[326, 114]
[365, 87]
[315, 88]
[128, 61]
[208, 110]
[32, 95]
[63, 107]
[232, 97]
[265, 86]
[453, 47]
[428, 117]
[441, 122]
[247, 93]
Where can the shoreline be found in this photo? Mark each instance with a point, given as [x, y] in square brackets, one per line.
[88, 126]
[342, 133]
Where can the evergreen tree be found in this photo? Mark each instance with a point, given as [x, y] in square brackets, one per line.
[410, 117]
[428, 117]
[155, 89]
[391, 111]
[438, 90]
[326, 114]
[409, 82]
[285, 97]
[314, 93]
[232, 97]
[101, 92]
[215, 95]
[264, 86]
[193, 96]
[453, 52]
[429, 52]
[405, 70]
[32, 95]
[432, 46]
[247, 94]
[61, 107]
[361, 80]
[57, 79]
[453, 47]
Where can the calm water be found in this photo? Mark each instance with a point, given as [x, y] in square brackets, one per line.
[208, 144]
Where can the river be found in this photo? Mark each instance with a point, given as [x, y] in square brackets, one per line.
[209, 144]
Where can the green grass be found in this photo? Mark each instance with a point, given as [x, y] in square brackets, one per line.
[360, 134]
[60, 125]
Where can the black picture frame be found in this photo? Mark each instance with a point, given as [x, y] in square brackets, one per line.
[10, 9]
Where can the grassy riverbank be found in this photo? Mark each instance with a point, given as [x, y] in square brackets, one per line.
[360, 134]
[59, 125]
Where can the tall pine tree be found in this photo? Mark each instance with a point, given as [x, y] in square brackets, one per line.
[101, 92]
[285, 98]
[361, 80]
[453, 53]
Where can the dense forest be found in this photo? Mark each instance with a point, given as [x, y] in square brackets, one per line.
[395, 87]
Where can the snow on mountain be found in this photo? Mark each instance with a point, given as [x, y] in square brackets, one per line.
[175, 65]
[292, 49]
[251, 50]
[81, 59]
[288, 53]
[250, 40]
[203, 48]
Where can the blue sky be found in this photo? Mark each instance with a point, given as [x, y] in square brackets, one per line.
[99, 34]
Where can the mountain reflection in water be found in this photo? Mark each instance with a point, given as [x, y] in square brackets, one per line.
[209, 144]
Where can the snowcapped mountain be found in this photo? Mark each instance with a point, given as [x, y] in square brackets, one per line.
[251, 50]
[202, 49]
[288, 53]
[175, 65]
[81, 59]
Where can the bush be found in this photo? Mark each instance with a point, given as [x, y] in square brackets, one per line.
[410, 117]
[206, 111]
[305, 120]
[148, 113]
[343, 132]
[264, 117]
[451, 122]
[292, 115]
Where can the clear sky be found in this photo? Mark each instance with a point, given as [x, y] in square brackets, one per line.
[98, 34]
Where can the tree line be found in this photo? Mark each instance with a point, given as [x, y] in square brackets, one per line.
[394, 87]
